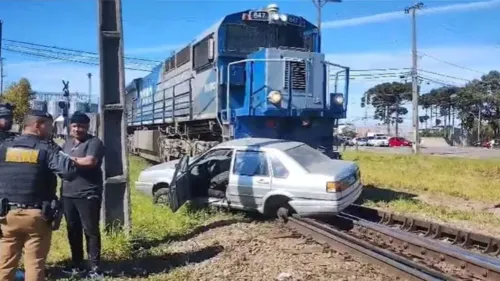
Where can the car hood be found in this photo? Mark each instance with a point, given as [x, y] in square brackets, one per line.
[163, 166]
[167, 165]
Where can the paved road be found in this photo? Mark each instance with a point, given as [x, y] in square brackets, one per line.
[467, 152]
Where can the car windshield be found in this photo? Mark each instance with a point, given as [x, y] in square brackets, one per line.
[307, 157]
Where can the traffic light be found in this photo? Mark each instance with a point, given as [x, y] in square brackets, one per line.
[65, 107]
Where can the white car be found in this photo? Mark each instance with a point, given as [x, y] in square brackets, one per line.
[274, 177]
[379, 141]
[360, 141]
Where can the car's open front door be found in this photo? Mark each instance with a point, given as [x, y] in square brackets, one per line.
[180, 190]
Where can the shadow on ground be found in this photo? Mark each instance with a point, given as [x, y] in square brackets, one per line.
[377, 194]
[143, 264]
[147, 265]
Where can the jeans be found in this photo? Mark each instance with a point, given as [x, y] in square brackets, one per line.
[82, 217]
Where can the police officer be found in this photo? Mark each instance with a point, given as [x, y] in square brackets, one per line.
[27, 196]
[6, 116]
[82, 196]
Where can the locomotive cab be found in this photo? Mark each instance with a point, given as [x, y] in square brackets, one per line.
[256, 73]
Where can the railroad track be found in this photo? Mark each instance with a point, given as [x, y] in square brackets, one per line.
[467, 240]
[412, 256]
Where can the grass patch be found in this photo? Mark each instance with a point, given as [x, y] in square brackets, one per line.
[152, 227]
[411, 206]
[471, 179]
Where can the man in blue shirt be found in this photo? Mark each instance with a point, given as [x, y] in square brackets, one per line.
[82, 196]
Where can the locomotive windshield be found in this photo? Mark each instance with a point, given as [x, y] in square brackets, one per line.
[247, 38]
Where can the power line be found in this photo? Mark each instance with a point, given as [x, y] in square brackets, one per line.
[71, 55]
[32, 52]
[444, 75]
[450, 63]
[73, 50]
[440, 82]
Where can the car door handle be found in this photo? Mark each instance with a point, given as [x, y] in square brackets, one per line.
[263, 181]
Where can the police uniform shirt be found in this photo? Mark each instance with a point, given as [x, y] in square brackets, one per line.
[89, 181]
[27, 167]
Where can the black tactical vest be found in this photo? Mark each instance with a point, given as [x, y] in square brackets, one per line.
[25, 177]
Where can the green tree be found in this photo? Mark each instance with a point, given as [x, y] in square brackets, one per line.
[388, 100]
[477, 104]
[19, 94]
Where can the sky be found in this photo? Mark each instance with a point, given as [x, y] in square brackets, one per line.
[457, 40]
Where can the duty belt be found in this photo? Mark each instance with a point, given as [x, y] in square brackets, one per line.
[14, 206]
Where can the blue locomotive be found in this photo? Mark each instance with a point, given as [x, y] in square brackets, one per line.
[256, 73]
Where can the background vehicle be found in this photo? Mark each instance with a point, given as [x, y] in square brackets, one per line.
[378, 141]
[255, 73]
[359, 141]
[257, 174]
[371, 134]
[399, 141]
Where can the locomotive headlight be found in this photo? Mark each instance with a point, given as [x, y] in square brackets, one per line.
[284, 18]
[275, 16]
[274, 97]
[339, 99]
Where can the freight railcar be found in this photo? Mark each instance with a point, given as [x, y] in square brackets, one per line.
[255, 73]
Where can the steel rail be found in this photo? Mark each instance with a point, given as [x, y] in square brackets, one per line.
[458, 237]
[339, 240]
[449, 258]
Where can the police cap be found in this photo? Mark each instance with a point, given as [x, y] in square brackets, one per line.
[39, 113]
[6, 110]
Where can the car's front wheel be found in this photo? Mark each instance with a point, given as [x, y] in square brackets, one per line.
[161, 196]
[283, 214]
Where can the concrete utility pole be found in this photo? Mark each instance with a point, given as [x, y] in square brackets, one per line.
[319, 6]
[414, 75]
[479, 125]
[1, 59]
[113, 127]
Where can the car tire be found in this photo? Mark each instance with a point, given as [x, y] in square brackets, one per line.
[160, 194]
[283, 214]
[220, 181]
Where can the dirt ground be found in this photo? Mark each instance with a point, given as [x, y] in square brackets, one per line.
[265, 251]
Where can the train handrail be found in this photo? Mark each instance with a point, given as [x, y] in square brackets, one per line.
[346, 69]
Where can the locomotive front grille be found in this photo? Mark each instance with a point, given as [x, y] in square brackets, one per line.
[298, 75]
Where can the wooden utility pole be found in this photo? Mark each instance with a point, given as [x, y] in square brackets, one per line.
[112, 129]
[414, 75]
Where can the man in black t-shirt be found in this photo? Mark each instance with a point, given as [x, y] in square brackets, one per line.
[82, 196]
